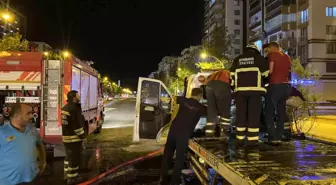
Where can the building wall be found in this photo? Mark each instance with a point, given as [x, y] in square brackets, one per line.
[234, 23]
[230, 12]
[319, 42]
[300, 27]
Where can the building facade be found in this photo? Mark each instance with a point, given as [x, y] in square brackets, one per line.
[303, 28]
[11, 21]
[229, 13]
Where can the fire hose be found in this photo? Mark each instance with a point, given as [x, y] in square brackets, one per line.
[108, 172]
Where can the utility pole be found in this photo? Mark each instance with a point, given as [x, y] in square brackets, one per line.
[263, 17]
[245, 23]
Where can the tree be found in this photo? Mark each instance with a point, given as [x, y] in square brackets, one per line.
[189, 57]
[306, 113]
[219, 43]
[13, 42]
[177, 84]
[209, 66]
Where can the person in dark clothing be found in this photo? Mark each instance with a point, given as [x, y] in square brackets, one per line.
[181, 129]
[218, 92]
[247, 76]
[277, 92]
[73, 134]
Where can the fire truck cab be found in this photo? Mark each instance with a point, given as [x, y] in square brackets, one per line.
[43, 82]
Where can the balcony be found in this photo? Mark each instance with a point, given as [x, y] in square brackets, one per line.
[303, 4]
[254, 25]
[288, 9]
[253, 36]
[302, 25]
[288, 43]
[288, 26]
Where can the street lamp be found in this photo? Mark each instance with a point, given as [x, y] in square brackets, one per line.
[6, 16]
[105, 79]
[204, 55]
[66, 54]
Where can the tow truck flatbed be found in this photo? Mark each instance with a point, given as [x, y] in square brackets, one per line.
[294, 162]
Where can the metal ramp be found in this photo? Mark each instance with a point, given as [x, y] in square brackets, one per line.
[294, 162]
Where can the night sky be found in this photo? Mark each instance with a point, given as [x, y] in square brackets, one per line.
[126, 39]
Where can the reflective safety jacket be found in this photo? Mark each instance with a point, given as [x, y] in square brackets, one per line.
[248, 72]
[72, 123]
[221, 75]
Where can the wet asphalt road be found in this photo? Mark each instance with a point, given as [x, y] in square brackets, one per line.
[118, 114]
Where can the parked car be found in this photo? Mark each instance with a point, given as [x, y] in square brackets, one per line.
[110, 98]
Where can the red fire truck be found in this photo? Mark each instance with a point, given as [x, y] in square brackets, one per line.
[43, 81]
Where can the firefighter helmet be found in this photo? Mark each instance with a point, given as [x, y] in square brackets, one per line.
[253, 46]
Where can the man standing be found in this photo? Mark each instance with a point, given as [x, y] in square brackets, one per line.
[181, 129]
[19, 141]
[278, 92]
[247, 73]
[218, 92]
[73, 135]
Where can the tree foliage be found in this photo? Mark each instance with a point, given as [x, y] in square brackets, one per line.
[177, 84]
[300, 115]
[209, 66]
[13, 42]
[219, 43]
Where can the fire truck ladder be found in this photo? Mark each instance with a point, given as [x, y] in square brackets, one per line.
[51, 96]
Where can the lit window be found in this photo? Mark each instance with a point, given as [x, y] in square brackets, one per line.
[331, 11]
[236, 2]
[304, 16]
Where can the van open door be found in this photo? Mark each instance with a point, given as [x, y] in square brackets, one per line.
[153, 109]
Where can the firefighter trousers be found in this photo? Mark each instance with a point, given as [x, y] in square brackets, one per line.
[72, 160]
[248, 117]
[178, 143]
[219, 104]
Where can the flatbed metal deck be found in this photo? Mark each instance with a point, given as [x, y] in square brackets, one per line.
[293, 163]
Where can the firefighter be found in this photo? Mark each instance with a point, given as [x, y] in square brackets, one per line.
[247, 76]
[73, 135]
[218, 93]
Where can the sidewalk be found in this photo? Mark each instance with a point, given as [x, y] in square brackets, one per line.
[322, 128]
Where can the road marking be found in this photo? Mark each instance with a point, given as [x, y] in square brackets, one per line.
[109, 109]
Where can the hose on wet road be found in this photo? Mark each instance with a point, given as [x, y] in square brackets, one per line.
[108, 172]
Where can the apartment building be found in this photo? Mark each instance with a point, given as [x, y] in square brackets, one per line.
[305, 29]
[317, 33]
[273, 20]
[228, 12]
